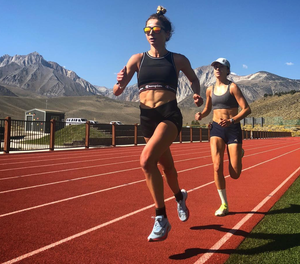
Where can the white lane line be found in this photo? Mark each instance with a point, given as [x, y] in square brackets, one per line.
[71, 198]
[77, 162]
[109, 164]
[83, 168]
[64, 181]
[90, 193]
[130, 214]
[100, 156]
[214, 249]
[108, 173]
[91, 160]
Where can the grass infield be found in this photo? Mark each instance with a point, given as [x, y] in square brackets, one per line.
[276, 239]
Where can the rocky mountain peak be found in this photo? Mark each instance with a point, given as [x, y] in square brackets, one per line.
[42, 78]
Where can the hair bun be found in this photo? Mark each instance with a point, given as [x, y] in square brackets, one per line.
[161, 10]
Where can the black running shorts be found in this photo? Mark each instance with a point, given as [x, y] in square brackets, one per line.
[231, 134]
[150, 118]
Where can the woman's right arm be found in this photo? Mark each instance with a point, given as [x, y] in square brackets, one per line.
[125, 75]
[205, 112]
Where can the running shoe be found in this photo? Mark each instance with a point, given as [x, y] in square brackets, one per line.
[183, 211]
[222, 211]
[160, 229]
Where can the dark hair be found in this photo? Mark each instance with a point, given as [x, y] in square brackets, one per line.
[159, 15]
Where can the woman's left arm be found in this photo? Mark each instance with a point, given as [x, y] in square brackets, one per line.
[183, 64]
[245, 108]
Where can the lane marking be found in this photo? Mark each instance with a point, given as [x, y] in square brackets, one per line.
[90, 160]
[101, 156]
[109, 164]
[70, 198]
[64, 181]
[81, 161]
[214, 249]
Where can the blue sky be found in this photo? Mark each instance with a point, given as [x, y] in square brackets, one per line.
[95, 39]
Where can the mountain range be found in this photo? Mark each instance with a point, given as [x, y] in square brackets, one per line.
[32, 76]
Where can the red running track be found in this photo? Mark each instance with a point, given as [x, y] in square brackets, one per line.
[93, 206]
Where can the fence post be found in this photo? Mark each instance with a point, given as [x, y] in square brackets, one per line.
[200, 134]
[87, 134]
[7, 131]
[52, 134]
[180, 136]
[135, 134]
[113, 134]
[191, 134]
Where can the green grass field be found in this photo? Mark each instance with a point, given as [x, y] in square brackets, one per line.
[276, 239]
[68, 135]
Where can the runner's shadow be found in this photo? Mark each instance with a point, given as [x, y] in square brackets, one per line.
[277, 242]
[271, 242]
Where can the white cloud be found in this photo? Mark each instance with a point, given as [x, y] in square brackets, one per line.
[289, 63]
[233, 73]
[245, 66]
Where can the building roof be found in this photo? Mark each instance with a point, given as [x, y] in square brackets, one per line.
[45, 110]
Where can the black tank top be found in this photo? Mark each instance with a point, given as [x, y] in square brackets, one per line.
[224, 101]
[157, 73]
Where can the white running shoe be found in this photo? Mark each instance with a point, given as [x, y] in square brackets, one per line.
[183, 211]
[222, 211]
[160, 229]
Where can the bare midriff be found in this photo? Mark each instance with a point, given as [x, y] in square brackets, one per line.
[155, 98]
[224, 114]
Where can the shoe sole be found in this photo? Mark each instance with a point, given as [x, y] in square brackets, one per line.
[224, 214]
[160, 238]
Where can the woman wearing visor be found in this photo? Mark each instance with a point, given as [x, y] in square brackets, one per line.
[160, 118]
[225, 97]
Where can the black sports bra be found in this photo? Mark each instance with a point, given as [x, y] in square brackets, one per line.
[157, 73]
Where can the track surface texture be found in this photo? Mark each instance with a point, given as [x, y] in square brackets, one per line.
[93, 206]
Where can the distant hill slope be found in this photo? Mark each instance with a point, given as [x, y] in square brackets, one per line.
[105, 110]
[97, 108]
[286, 106]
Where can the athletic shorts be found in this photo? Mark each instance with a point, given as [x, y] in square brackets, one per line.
[231, 134]
[150, 118]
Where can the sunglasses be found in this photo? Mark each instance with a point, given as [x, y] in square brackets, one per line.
[156, 29]
[218, 65]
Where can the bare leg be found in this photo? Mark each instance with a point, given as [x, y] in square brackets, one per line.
[235, 160]
[170, 173]
[217, 152]
[156, 146]
[217, 147]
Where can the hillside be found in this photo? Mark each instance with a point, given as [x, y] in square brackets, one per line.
[105, 110]
[97, 108]
[286, 106]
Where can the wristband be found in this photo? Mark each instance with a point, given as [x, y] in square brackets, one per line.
[232, 120]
